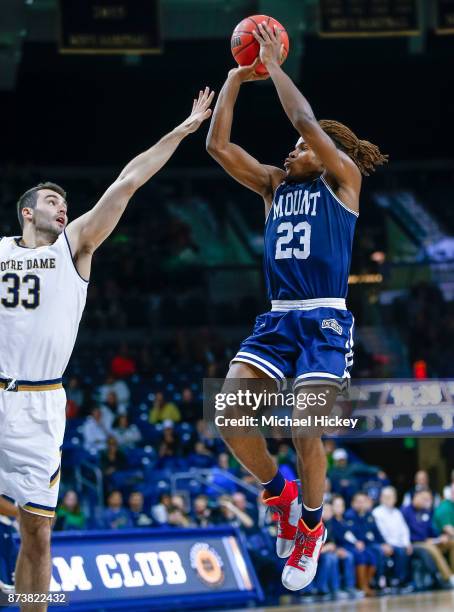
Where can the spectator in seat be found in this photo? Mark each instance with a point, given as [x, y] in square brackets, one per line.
[74, 393]
[239, 500]
[112, 459]
[346, 476]
[201, 457]
[231, 514]
[421, 483]
[169, 449]
[138, 516]
[330, 446]
[189, 407]
[95, 432]
[178, 515]
[72, 409]
[202, 513]
[127, 435]
[111, 403]
[444, 515]
[160, 511]
[69, 514]
[115, 516]
[163, 410]
[220, 476]
[448, 488]
[123, 365]
[121, 390]
[395, 533]
[365, 560]
[423, 534]
[365, 529]
[206, 434]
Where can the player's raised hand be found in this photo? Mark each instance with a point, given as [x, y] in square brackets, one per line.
[200, 111]
[247, 73]
[271, 47]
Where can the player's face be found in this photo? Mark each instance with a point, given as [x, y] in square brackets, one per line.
[302, 163]
[50, 214]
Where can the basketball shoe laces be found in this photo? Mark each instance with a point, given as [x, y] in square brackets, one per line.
[304, 549]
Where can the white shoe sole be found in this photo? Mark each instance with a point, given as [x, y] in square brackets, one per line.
[295, 579]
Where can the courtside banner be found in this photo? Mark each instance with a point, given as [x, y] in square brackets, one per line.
[153, 568]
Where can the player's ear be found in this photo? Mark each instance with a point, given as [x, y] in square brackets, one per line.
[27, 213]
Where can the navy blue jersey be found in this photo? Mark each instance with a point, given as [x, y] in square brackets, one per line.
[308, 242]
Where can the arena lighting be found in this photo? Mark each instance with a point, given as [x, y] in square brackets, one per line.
[362, 279]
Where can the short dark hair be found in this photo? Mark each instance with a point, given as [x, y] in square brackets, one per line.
[30, 197]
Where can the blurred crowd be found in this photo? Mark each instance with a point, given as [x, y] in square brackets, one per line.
[162, 465]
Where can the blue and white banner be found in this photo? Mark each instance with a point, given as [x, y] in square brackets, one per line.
[153, 568]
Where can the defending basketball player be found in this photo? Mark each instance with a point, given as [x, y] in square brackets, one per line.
[311, 207]
[43, 284]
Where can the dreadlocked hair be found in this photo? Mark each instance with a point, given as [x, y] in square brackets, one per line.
[366, 155]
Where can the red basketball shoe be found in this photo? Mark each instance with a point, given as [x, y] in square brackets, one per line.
[300, 569]
[288, 508]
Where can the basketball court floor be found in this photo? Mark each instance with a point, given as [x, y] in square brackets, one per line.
[438, 601]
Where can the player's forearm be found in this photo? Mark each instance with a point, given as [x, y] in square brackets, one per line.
[296, 106]
[221, 122]
[144, 166]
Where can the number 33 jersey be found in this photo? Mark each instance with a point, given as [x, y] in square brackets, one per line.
[42, 298]
[308, 242]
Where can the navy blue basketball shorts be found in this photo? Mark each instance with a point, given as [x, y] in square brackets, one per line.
[310, 341]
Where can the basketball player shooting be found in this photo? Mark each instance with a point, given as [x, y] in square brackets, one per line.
[311, 207]
[43, 284]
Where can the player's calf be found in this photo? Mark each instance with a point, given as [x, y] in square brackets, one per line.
[33, 568]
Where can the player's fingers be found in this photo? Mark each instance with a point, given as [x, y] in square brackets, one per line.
[282, 52]
[204, 96]
[264, 31]
[210, 98]
[258, 36]
[207, 114]
[206, 93]
[268, 30]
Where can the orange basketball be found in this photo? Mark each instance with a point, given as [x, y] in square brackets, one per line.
[244, 46]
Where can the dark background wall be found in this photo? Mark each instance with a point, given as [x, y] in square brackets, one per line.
[101, 110]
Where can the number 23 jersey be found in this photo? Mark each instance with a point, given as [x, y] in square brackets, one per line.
[308, 242]
[42, 298]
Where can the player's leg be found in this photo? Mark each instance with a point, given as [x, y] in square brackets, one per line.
[312, 465]
[250, 448]
[33, 568]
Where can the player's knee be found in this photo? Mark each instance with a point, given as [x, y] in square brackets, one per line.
[35, 536]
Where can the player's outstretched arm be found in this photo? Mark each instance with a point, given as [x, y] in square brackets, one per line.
[86, 233]
[236, 161]
[300, 113]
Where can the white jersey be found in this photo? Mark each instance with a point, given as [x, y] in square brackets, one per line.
[42, 298]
